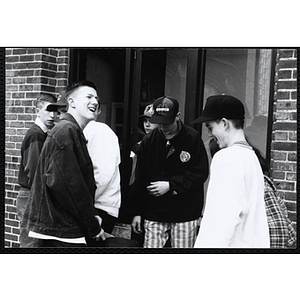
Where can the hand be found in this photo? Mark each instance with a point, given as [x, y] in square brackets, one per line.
[101, 234]
[136, 224]
[158, 188]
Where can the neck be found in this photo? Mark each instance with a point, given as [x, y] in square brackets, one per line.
[170, 131]
[237, 136]
[81, 122]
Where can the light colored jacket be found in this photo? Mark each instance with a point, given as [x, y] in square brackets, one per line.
[103, 147]
[235, 214]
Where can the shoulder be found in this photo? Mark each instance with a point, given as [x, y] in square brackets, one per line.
[34, 133]
[65, 132]
[97, 130]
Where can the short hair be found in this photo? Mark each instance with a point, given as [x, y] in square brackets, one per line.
[44, 97]
[237, 123]
[76, 85]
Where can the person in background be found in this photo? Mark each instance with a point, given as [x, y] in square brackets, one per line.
[104, 150]
[171, 169]
[31, 148]
[147, 128]
[63, 108]
[60, 211]
[235, 214]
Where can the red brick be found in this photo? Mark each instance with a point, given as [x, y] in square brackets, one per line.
[278, 175]
[7, 229]
[25, 117]
[291, 176]
[290, 196]
[27, 58]
[285, 74]
[10, 116]
[284, 146]
[11, 237]
[286, 54]
[19, 80]
[12, 59]
[25, 87]
[284, 185]
[278, 165]
[292, 156]
[11, 209]
[287, 64]
[281, 136]
[12, 223]
[26, 73]
[19, 51]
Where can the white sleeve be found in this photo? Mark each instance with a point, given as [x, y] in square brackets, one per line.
[225, 203]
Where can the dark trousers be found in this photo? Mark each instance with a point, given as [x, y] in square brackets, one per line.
[108, 221]
[24, 239]
[58, 244]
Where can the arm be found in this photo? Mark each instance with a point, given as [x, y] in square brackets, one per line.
[197, 171]
[67, 178]
[31, 156]
[226, 203]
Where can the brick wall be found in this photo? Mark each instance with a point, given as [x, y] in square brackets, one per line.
[284, 133]
[29, 71]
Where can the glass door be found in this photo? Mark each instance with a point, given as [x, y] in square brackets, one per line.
[247, 75]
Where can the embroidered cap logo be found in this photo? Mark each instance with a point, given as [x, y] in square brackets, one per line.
[162, 109]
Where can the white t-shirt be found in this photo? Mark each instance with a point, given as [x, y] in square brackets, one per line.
[104, 150]
[235, 214]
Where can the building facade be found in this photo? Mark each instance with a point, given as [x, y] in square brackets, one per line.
[128, 79]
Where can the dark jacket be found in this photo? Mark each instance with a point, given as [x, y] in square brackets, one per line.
[62, 201]
[183, 162]
[31, 148]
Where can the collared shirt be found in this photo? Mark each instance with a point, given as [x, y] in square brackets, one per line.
[41, 124]
[282, 232]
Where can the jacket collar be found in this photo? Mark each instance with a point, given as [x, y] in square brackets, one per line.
[68, 117]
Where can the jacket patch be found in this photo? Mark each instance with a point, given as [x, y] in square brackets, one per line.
[185, 156]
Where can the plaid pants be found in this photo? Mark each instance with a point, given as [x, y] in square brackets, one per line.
[182, 235]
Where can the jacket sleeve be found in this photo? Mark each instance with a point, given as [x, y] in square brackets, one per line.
[138, 187]
[66, 179]
[31, 157]
[196, 173]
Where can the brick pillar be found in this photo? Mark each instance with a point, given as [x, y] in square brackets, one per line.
[29, 71]
[284, 132]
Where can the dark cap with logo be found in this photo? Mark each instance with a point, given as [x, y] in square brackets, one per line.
[61, 102]
[165, 110]
[221, 106]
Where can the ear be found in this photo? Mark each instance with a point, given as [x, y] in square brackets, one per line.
[37, 111]
[177, 116]
[225, 123]
[71, 102]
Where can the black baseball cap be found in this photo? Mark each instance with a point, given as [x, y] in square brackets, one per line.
[61, 102]
[221, 106]
[165, 110]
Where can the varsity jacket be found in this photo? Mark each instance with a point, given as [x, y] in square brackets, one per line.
[182, 161]
[62, 200]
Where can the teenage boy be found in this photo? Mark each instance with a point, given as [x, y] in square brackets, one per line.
[61, 211]
[235, 214]
[172, 166]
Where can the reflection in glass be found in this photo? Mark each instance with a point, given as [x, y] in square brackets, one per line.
[244, 74]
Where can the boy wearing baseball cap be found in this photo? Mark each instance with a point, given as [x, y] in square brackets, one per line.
[235, 214]
[172, 166]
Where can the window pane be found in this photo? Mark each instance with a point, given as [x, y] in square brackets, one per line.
[244, 74]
